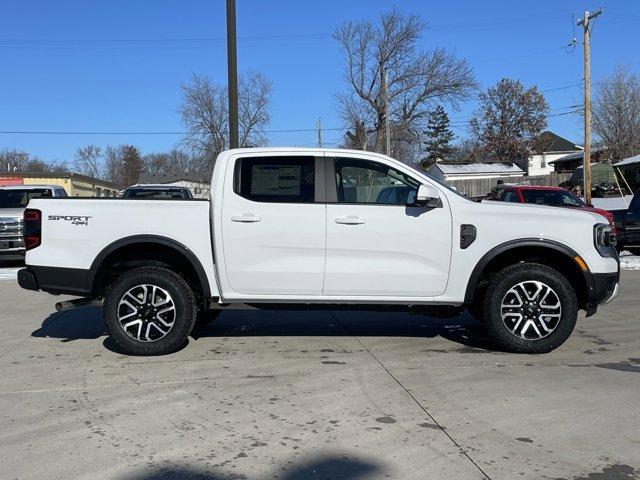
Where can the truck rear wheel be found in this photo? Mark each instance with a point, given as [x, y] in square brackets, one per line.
[149, 311]
[530, 308]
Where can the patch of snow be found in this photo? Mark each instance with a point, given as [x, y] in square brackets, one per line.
[628, 261]
[8, 273]
[472, 168]
[612, 203]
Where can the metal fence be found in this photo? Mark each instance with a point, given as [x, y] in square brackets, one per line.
[477, 187]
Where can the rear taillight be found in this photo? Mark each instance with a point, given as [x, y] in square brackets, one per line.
[32, 225]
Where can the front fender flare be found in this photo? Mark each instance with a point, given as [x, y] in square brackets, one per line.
[525, 242]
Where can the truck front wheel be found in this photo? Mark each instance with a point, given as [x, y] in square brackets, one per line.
[149, 311]
[530, 308]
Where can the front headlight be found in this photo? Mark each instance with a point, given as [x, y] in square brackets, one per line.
[604, 239]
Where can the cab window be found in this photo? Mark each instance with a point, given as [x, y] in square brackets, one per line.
[276, 179]
[364, 181]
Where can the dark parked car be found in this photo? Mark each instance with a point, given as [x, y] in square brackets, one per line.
[628, 225]
[157, 191]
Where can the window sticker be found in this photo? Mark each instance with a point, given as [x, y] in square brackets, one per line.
[275, 180]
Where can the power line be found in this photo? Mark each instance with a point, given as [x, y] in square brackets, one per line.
[149, 41]
[74, 132]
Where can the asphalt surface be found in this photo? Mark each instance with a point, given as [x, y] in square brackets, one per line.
[305, 395]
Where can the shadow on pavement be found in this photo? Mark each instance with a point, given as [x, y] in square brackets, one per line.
[463, 329]
[74, 324]
[86, 323]
[326, 468]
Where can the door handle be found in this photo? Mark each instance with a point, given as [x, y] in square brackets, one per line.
[246, 218]
[350, 220]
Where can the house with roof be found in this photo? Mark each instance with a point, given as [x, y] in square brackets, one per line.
[630, 168]
[466, 171]
[550, 147]
[75, 184]
[568, 163]
[195, 183]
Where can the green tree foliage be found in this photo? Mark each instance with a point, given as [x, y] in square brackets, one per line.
[123, 165]
[438, 137]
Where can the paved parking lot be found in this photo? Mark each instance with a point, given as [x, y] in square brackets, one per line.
[303, 395]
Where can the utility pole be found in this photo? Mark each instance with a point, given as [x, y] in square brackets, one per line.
[319, 127]
[587, 102]
[385, 92]
[232, 73]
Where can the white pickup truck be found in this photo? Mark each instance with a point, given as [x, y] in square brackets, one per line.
[321, 226]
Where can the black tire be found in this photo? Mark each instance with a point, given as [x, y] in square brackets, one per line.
[183, 313]
[509, 278]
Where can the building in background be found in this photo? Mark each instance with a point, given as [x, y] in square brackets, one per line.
[198, 187]
[568, 163]
[551, 147]
[630, 168]
[467, 171]
[75, 185]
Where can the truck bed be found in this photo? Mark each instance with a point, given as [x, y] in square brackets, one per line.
[76, 231]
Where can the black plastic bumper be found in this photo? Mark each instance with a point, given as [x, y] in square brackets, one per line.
[27, 280]
[72, 281]
[603, 288]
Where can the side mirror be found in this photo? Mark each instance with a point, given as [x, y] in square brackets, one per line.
[428, 197]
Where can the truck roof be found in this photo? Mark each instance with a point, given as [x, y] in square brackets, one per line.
[28, 187]
[535, 187]
[311, 150]
[156, 186]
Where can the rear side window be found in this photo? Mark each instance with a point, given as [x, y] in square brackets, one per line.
[276, 179]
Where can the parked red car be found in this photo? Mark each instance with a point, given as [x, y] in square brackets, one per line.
[552, 196]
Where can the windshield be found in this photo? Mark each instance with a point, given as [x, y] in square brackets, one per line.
[18, 198]
[176, 193]
[554, 198]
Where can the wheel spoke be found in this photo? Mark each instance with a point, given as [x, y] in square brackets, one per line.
[139, 314]
[531, 310]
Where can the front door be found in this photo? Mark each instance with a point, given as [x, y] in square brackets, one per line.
[377, 244]
[273, 226]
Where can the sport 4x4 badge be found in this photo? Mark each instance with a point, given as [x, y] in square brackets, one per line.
[74, 219]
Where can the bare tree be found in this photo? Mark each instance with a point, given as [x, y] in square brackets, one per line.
[174, 161]
[616, 114]
[88, 161]
[417, 80]
[204, 111]
[13, 160]
[509, 120]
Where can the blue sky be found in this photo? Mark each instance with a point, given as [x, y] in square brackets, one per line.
[117, 65]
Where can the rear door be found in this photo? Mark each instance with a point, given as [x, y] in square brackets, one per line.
[377, 244]
[274, 225]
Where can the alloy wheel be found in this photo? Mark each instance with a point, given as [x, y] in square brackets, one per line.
[146, 312]
[531, 310]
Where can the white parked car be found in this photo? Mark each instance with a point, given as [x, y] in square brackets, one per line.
[13, 201]
[321, 226]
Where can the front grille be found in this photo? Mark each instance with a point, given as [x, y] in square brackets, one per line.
[10, 227]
